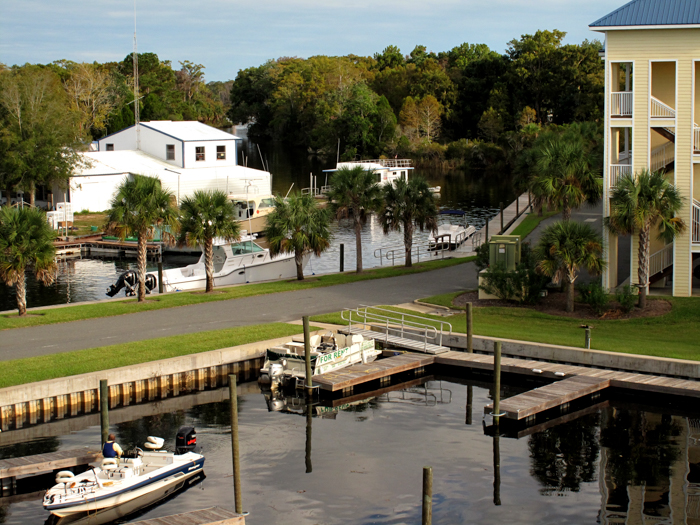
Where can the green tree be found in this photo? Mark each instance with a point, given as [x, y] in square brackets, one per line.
[139, 205]
[638, 204]
[563, 176]
[564, 248]
[408, 205]
[38, 131]
[298, 225]
[26, 240]
[390, 58]
[355, 193]
[204, 216]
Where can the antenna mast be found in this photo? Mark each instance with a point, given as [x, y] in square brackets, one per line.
[135, 60]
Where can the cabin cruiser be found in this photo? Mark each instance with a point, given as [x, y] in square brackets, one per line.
[251, 210]
[452, 231]
[386, 170]
[151, 474]
[285, 364]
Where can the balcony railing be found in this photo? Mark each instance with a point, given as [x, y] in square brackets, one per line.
[661, 110]
[662, 156]
[696, 138]
[617, 171]
[621, 104]
[696, 222]
[661, 260]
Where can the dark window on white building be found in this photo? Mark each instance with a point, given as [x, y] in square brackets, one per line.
[110, 147]
[221, 153]
[170, 152]
[199, 153]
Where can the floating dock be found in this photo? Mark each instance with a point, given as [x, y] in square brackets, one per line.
[99, 247]
[209, 516]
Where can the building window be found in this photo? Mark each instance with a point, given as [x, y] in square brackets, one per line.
[199, 153]
[110, 147]
[221, 153]
[170, 152]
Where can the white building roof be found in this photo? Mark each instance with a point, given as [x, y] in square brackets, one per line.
[188, 130]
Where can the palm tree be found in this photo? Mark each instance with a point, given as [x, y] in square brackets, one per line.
[408, 205]
[640, 203]
[139, 205]
[26, 240]
[563, 248]
[563, 177]
[355, 192]
[297, 225]
[203, 216]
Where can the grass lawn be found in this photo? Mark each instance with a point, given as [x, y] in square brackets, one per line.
[83, 221]
[22, 371]
[444, 300]
[157, 302]
[675, 334]
[530, 222]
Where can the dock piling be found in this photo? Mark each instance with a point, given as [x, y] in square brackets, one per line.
[234, 443]
[501, 230]
[496, 382]
[160, 276]
[104, 410]
[342, 257]
[309, 415]
[427, 517]
[470, 402]
[587, 340]
[496, 468]
[307, 354]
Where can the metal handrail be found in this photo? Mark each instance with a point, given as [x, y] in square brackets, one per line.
[387, 163]
[363, 316]
[696, 222]
[399, 252]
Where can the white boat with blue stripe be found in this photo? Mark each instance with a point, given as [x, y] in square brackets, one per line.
[116, 482]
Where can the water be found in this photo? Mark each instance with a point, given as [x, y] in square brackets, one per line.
[366, 462]
[477, 193]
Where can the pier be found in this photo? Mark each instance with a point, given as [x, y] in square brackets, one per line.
[209, 516]
[96, 246]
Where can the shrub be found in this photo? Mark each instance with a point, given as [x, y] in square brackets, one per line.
[595, 296]
[522, 285]
[626, 296]
[482, 257]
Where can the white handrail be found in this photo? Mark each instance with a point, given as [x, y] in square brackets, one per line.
[392, 253]
[662, 156]
[617, 171]
[661, 260]
[661, 110]
[387, 163]
[621, 103]
[696, 138]
[696, 222]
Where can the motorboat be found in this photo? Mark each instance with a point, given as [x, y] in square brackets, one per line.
[285, 365]
[452, 230]
[386, 170]
[118, 482]
[251, 210]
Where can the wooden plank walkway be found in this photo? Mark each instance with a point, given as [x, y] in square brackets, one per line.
[209, 516]
[401, 342]
[38, 463]
[358, 374]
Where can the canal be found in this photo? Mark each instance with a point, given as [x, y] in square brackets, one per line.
[621, 460]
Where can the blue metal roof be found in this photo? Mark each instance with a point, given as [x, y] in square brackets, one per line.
[652, 13]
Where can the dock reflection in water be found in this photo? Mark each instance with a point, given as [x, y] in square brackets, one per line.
[359, 459]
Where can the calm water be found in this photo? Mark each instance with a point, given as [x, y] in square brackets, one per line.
[366, 462]
[477, 193]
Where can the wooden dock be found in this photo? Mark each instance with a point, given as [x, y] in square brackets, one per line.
[209, 516]
[10, 468]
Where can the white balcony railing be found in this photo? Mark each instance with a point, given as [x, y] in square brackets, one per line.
[662, 156]
[621, 104]
[617, 171]
[696, 138]
[661, 260]
[661, 110]
[696, 222]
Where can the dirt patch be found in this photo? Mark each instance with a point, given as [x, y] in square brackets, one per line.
[555, 303]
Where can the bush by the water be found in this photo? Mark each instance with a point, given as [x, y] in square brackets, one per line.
[626, 296]
[595, 296]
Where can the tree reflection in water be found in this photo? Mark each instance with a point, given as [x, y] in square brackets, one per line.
[132, 434]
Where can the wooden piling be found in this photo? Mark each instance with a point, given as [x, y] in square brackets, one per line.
[501, 230]
[104, 410]
[342, 257]
[587, 339]
[160, 276]
[233, 397]
[496, 381]
[496, 468]
[427, 496]
[309, 416]
[307, 354]
[470, 401]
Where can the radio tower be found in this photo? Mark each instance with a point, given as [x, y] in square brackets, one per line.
[135, 60]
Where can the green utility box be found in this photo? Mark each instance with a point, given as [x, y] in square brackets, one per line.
[505, 249]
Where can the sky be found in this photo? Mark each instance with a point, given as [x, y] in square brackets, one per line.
[227, 36]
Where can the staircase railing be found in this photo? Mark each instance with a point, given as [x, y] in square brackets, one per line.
[617, 171]
[696, 138]
[621, 104]
[661, 260]
[662, 156]
[696, 222]
[661, 110]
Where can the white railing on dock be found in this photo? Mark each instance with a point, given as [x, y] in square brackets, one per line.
[661, 260]
[616, 172]
[621, 104]
[661, 110]
[393, 253]
[662, 156]
[696, 222]
[399, 323]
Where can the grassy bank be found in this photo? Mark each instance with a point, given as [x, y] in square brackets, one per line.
[675, 334]
[530, 222]
[31, 369]
[458, 322]
[157, 302]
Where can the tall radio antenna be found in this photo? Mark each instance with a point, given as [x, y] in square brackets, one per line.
[135, 60]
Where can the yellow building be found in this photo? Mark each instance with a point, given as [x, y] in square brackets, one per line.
[652, 112]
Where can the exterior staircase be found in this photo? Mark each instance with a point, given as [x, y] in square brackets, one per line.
[661, 263]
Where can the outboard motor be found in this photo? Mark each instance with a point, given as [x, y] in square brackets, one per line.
[129, 280]
[185, 440]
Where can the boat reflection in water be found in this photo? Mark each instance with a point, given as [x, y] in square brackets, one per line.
[131, 509]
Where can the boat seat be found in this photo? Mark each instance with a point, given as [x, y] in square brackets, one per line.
[340, 340]
[109, 464]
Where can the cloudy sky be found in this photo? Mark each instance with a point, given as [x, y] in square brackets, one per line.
[228, 35]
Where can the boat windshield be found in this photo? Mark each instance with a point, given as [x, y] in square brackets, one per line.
[266, 203]
[219, 258]
[242, 248]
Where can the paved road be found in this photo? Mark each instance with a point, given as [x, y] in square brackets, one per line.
[282, 307]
